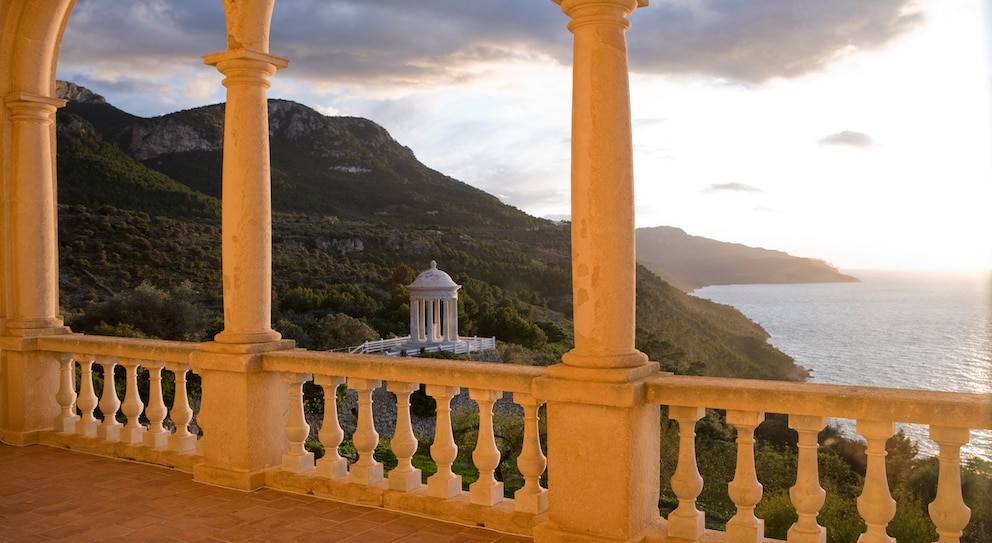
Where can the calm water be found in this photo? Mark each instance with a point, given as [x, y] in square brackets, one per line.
[894, 329]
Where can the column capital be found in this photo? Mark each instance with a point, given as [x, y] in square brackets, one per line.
[30, 100]
[28, 106]
[233, 60]
[599, 11]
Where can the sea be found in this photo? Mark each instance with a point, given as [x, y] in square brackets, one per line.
[896, 329]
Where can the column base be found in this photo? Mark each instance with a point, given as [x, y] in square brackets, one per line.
[531, 502]
[482, 495]
[444, 488]
[298, 463]
[332, 469]
[238, 480]
[405, 482]
[365, 475]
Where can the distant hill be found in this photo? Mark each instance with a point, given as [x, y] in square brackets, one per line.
[356, 216]
[692, 262]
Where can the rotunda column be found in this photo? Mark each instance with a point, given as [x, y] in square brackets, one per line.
[246, 200]
[33, 224]
[603, 262]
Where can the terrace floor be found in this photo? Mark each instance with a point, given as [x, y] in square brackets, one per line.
[50, 494]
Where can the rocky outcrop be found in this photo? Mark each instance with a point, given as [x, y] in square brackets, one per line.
[74, 93]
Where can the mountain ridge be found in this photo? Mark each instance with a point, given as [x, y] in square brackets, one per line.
[355, 217]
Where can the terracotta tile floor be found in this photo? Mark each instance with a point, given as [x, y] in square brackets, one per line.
[49, 494]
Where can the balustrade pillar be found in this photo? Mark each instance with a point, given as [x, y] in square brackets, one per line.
[686, 521]
[182, 440]
[246, 202]
[331, 465]
[133, 432]
[366, 471]
[948, 511]
[807, 495]
[87, 400]
[531, 462]
[875, 502]
[157, 437]
[745, 490]
[66, 420]
[486, 490]
[109, 429]
[404, 477]
[444, 483]
[297, 459]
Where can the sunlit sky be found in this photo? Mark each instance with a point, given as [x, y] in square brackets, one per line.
[853, 131]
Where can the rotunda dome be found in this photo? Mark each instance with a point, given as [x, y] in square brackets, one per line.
[433, 279]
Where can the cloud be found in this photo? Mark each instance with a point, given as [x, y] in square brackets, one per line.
[731, 187]
[431, 41]
[755, 41]
[849, 138]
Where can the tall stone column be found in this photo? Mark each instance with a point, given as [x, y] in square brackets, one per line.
[603, 266]
[601, 492]
[243, 405]
[33, 290]
[246, 197]
[29, 379]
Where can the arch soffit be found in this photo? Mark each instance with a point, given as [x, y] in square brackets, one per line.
[32, 36]
[248, 24]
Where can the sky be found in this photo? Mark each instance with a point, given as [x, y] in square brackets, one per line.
[855, 132]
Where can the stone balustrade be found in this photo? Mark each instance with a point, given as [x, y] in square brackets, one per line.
[950, 417]
[140, 433]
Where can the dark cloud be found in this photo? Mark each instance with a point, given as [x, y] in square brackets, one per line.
[752, 41]
[849, 138]
[731, 187]
[426, 41]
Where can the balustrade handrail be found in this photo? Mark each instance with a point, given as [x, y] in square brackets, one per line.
[144, 349]
[957, 409]
[428, 371]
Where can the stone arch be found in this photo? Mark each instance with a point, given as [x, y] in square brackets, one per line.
[32, 34]
[248, 24]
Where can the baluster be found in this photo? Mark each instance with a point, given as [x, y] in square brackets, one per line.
[110, 429]
[297, 459]
[182, 441]
[532, 498]
[807, 495]
[486, 490]
[686, 521]
[875, 503]
[133, 431]
[157, 437]
[745, 490]
[331, 465]
[87, 401]
[65, 421]
[948, 512]
[444, 483]
[404, 444]
[367, 471]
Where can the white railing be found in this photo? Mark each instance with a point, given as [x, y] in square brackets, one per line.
[164, 437]
[403, 487]
[397, 346]
[950, 416]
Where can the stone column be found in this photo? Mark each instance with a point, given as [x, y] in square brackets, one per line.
[603, 265]
[243, 406]
[34, 286]
[596, 396]
[29, 379]
[246, 198]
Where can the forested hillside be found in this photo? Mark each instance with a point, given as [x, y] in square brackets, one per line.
[356, 217]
